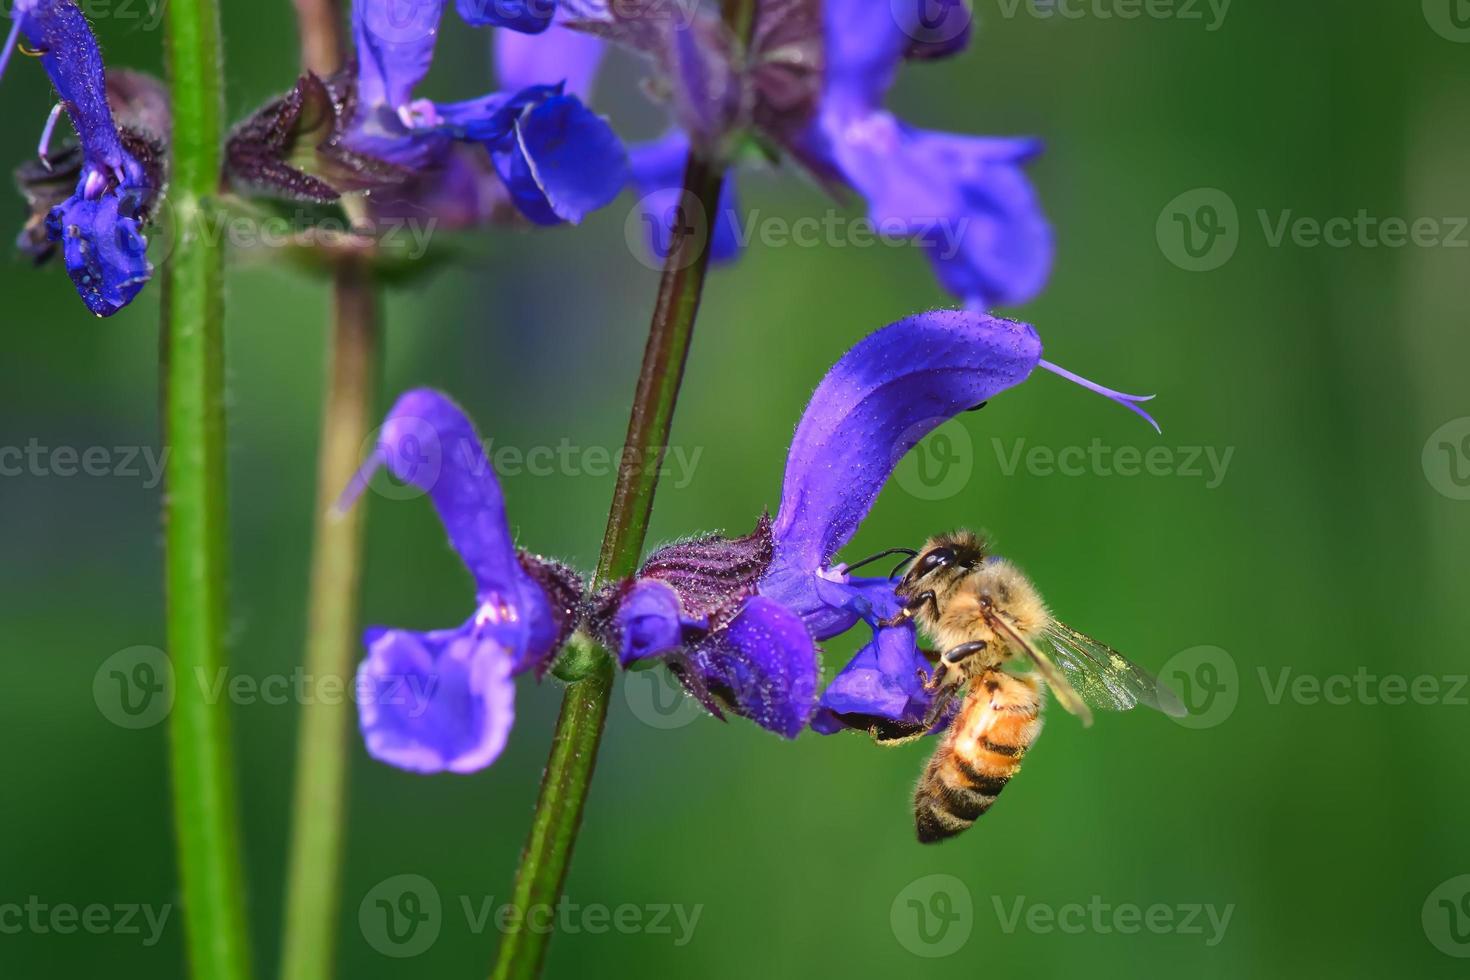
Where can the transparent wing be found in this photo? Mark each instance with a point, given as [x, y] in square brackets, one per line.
[1103, 677]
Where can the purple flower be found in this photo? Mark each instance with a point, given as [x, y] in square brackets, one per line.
[723, 612]
[811, 84]
[558, 159]
[965, 200]
[444, 700]
[99, 225]
[533, 146]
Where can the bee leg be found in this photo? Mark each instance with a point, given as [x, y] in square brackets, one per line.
[911, 607]
[963, 652]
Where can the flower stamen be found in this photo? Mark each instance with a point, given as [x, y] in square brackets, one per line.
[1130, 402]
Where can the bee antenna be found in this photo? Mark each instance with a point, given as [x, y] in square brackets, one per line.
[909, 554]
[893, 574]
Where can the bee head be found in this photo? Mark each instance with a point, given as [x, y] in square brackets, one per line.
[942, 562]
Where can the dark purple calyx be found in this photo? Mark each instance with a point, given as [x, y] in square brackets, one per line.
[293, 147]
[565, 594]
[712, 574]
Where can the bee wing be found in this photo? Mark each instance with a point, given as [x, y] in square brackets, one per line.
[1104, 677]
[1061, 689]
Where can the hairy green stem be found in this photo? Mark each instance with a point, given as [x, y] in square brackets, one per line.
[313, 882]
[196, 537]
[574, 745]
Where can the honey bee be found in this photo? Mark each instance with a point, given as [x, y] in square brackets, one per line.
[982, 612]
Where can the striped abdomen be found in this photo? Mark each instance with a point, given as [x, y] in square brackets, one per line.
[981, 751]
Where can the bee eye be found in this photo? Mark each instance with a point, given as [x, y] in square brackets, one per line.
[937, 558]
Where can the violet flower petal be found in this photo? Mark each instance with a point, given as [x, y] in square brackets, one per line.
[70, 56]
[435, 702]
[560, 55]
[566, 162]
[394, 40]
[490, 119]
[648, 622]
[864, 46]
[526, 16]
[762, 663]
[879, 686]
[427, 442]
[887, 393]
[104, 251]
[965, 199]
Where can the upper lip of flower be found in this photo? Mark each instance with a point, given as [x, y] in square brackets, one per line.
[525, 606]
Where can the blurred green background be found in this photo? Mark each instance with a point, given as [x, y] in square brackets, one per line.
[1332, 544]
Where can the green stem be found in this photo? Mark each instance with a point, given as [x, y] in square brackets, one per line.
[574, 745]
[193, 380]
[314, 872]
[319, 801]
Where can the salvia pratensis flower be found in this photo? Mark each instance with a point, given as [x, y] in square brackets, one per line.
[115, 173]
[964, 199]
[444, 700]
[364, 129]
[810, 87]
[722, 612]
[737, 620]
